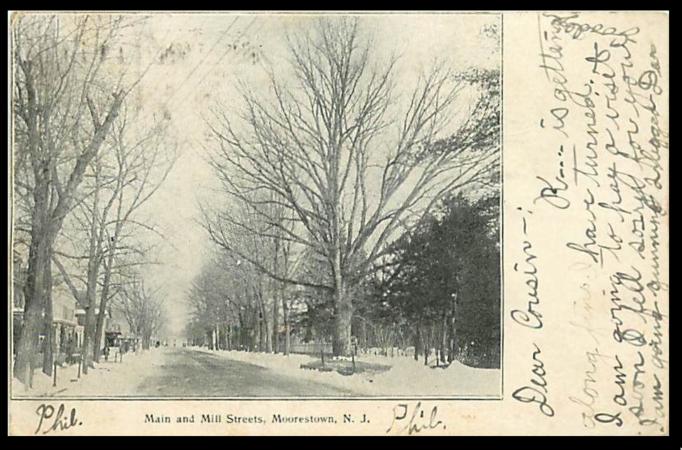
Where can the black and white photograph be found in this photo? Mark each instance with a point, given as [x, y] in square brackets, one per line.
[251, 205]
[334, 223]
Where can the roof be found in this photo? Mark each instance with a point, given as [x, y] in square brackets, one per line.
[65, 322]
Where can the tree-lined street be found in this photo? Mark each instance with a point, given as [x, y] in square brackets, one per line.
[349, 204]
[189, 372]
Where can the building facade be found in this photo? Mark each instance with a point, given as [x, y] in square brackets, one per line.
[68, 334]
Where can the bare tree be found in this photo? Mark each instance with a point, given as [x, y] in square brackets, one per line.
[350, 163]
[268, 251]
[65, 99]
[142, 164]
[143, 310]
[122, 180]
[218, 298]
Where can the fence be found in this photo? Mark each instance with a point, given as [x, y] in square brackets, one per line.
[313, 348]
[310, 348]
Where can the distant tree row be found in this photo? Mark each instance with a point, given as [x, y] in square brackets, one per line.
[436, 293]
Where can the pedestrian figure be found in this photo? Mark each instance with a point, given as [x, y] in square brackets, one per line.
[70, 349]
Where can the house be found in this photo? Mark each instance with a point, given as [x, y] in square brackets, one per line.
[68, 333]
[18, 281]
[81, 312]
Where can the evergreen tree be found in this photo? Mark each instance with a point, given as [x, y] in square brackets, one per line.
[444, 280]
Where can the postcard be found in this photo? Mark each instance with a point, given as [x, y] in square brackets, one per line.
[338, 223]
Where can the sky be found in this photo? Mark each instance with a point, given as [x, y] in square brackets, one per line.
[207, 55]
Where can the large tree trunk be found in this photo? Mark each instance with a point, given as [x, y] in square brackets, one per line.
[91, 292]
[36, 290]
[49, 347]
[343, 309]
[36, 293]
[343, 312]
[89, 328]
[28, 342]
[99, 327]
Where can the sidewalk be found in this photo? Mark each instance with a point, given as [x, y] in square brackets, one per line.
[108, 378]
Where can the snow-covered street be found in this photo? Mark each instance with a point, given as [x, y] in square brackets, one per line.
[197, 372]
